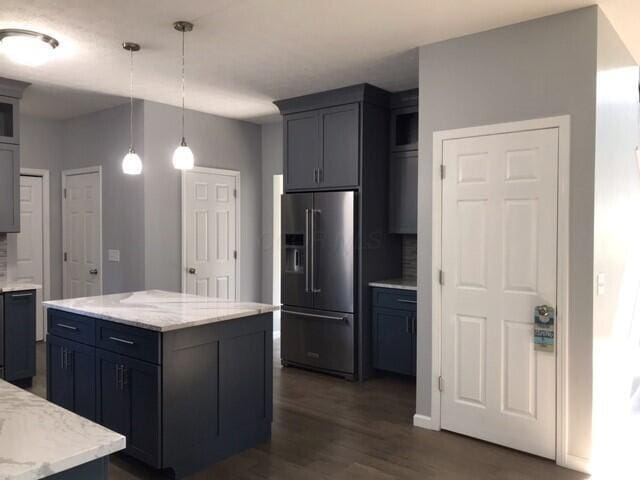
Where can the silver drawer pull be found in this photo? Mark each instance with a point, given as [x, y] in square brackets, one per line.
[68, 327]
[401, 300]
[121, 340]
[20, 295]
[328, 317]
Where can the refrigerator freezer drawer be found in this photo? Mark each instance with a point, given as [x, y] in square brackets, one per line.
[318, 339]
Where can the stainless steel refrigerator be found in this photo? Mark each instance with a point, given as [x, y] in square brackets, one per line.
[319, 281]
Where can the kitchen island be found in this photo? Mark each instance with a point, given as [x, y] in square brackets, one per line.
[187, 379]
[41, 440]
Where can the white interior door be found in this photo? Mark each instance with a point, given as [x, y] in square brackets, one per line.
[82, 235]
[499, 246]
[26, 249]
[210, 210]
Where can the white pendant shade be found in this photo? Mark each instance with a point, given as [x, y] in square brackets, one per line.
[183, 157]
[131, 163]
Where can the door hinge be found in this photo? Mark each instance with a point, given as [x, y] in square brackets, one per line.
[64, 256]
[64, 193]
[443, 172]
[235, 193]
[441, 277]
[235, 254]
[441, 383]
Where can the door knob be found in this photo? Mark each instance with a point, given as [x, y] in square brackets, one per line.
[191, 270]
[93, 271]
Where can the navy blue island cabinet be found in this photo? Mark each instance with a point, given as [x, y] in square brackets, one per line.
[184, 398]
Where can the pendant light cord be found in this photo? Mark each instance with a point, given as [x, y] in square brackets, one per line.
[131, 101]
[183, 85]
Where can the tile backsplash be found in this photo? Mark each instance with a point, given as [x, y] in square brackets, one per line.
[409, 256]
[3, 258]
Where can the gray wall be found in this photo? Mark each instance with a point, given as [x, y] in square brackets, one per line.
[540, 68]
[216, 142]
[102, 138]
[272, 158]
[616, 252]
[42, 147]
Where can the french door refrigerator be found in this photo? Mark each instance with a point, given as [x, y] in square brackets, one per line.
[318, 281]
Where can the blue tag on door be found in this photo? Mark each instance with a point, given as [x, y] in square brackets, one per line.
[544, 333]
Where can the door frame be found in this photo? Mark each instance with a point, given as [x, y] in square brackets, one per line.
[563, 124]
[69, 173]
[183, 208]
[46, 234]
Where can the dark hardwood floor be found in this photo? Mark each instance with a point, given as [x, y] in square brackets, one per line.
[328, 428]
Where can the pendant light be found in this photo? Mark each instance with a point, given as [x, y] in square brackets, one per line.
[131, 163]
[183, 156]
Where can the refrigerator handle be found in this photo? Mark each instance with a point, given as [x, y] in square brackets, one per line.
[313, 251]
[306, 250]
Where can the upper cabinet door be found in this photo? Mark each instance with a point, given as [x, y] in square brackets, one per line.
[9, 124]
[301, 150]
[9, 188]
[339, 164]
[403, 193]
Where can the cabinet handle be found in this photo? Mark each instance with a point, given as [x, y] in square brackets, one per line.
[21, 295]
[407, 324]
[68, 327]
[62, 364]
[315, 315]
[122, 340]
[413, 325]
[125, 376]
[402, 300]
[118, 373]
[320, 175]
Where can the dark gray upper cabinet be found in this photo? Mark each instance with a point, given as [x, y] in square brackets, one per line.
[323, 141]
[340, 142]
[9, 188]
[302, 150]
[9, 124]
[403, 193]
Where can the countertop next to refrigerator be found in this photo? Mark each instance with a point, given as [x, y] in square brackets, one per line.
[399, 283]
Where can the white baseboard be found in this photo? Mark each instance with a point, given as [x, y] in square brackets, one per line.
[574, 462]
[424, 421]
[276, 334]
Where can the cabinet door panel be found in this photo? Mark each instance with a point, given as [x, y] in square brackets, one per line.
[9, 188]
[403, 193]
[59, 378]
[393, 348]
[340, 146]
[113, 404]
[82, 363]
[19, 335]
[302, 150]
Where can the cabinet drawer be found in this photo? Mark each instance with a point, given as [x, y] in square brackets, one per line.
[130, 341]
[394, 298]
[71, 326]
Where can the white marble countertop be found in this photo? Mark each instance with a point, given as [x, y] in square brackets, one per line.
[399, 283]
[159, 310]
[38, 438]
[16, 287]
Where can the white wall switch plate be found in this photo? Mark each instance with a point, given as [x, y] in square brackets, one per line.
[601, 283]
[114, 255]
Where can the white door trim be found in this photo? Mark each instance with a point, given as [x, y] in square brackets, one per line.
[46, 228]
[183, 183]
[562, 123]
[68, 173]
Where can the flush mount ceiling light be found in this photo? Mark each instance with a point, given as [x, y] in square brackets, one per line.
[183, 156]
[27, 47]
[131, 163]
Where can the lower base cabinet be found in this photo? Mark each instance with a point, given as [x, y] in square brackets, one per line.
[184, 399]
[394, 330]
[18, 354]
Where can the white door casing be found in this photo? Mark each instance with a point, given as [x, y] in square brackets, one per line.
[26, 249]
[499, 254]
[82, 232]
[210, 218]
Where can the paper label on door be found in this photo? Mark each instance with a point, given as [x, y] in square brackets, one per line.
[544, 331]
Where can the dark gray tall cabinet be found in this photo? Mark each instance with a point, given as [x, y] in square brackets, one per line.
[10, 94]
[338, 141]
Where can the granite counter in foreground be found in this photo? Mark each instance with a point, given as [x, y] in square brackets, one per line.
[160, 310]
[39, 439]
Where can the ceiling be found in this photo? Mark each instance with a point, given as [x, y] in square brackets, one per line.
[243, 54]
